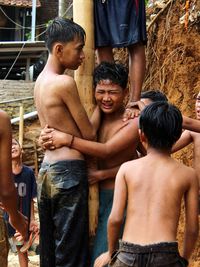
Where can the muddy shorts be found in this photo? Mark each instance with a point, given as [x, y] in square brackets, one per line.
[155, 255]
[119, 23]
[63, 213]
[4, 247]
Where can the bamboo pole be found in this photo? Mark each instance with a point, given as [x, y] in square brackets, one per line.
[83, 15]
[35, 158]
[21, 125]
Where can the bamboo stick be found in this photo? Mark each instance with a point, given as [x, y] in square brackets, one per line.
[21, 125]
[83, 15]
[35, 158]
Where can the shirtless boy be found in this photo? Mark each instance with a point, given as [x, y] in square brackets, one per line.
[62, 181]
[117, 140]
[151, 189]
[8, 195]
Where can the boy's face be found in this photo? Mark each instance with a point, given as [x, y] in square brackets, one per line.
[16, 149]
[109, 96]
[71, 55]
[197, 106]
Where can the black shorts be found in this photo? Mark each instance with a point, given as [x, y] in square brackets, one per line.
[119, 23]
[163, 254]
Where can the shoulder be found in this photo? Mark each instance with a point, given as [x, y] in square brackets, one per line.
[28, 170]
[126, 166]
[65, 81]
[131, 124]
[188, 173]
[4, 119]
[3, 115]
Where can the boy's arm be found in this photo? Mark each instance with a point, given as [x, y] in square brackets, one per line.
[191, 213]
[191, 124]
[8, 194]
[95, 176]
[73, 103]
[33, 224]
[126, 136]
[183, 141]
[96, 118]
[118, 208]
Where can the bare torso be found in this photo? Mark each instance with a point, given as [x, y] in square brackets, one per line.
[53, 112]
[107, 130]
[154, 199]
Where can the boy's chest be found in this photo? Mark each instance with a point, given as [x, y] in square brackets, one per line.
[109, 130]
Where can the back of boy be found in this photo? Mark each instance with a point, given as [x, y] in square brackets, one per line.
[152, 188]
[62, 181]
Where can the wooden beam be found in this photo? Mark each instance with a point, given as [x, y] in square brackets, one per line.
[83, 15]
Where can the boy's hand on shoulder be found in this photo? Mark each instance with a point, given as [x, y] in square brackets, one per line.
[133, 110]
[102, 260]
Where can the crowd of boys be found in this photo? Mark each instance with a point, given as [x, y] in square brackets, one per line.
[140, 208]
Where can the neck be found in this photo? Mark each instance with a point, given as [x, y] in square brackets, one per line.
[16, 165]
[158, 152]
[114, 115]
[54, 66]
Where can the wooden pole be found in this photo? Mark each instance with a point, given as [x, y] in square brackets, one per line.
[83, 15]
[35, 158]
[21, 125]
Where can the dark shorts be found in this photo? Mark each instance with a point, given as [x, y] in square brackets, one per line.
[105, 206]
[155, 255]
[63, 212]
[119, 23]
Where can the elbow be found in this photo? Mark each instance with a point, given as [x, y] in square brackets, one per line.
[91, 136]
[115, 221]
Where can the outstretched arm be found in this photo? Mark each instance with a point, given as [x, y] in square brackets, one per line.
[95, 176]
[117, 213]
[183, 141]
[191, 124]
[125, 137]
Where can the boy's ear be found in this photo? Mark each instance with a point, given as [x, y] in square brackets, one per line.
[58, 48]
[143, 138]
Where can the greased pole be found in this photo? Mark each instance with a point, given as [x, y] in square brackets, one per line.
[83, 15]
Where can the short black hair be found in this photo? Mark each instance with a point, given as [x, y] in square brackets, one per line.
[154, 95]
[115, 72]
[62, 30]
[161, 122]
